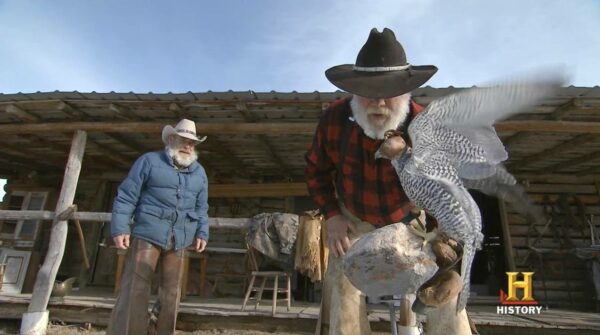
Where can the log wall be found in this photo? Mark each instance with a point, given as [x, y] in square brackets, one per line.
[568, 284]
[227, 270]
[567, 278]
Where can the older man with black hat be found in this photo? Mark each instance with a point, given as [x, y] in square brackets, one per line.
[363, 193]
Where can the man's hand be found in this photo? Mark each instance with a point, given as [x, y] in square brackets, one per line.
[121, 241]
[446, 283]
[337, 234]
[200, 245]
[392, 147]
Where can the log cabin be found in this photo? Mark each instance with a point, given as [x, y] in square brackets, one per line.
[254, 158]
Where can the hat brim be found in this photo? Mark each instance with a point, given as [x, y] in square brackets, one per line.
[379, 85]
[168, 130]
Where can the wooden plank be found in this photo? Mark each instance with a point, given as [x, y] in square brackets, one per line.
[554, 151]
[549, 242]
[508, 249]
[47, 274]
[517, 218]
[563, 110]
[21, 114]
[556, 178]
[257, 190]
[561, 188]
[595, 170]
[234, 223]
[107, 152]
[584, 159]
[524, 230]
[307, 128]
[228, 156]
[71, 111]
[545, 126]
[586, 199]
[196, 314]
[128, 142]
[518, 137]
[27, 157]
[177, 110]
[121, 112]
[226, 250]
[26, 215]
[264, 140]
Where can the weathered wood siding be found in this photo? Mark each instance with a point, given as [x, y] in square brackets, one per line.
[568, 281]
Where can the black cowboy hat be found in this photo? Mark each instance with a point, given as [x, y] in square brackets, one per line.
[381, 70]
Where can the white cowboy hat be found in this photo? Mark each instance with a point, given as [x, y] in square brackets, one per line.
[185, 128]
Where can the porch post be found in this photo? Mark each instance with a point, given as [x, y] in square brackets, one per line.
[35, 320]
[508, 249]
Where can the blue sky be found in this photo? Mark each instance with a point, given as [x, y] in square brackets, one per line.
[180, 46]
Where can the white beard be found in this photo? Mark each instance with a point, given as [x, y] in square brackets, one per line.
[395, 118]
[182, 160]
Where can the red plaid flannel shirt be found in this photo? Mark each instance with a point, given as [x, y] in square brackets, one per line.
[371, 189]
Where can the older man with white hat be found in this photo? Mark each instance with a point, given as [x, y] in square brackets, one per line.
[160, 210]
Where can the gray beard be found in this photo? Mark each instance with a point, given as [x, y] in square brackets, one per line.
[396, 118]
[179, 159]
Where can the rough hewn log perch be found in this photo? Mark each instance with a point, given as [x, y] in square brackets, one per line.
[35, 320]
[105, 217]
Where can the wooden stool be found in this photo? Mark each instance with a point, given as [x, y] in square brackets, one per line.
[265, 275]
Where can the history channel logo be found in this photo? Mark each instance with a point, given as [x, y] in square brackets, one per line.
[511, 304]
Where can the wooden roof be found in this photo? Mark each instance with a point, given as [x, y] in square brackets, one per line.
[258, 136]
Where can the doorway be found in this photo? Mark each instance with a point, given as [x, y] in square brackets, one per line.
[489, 265]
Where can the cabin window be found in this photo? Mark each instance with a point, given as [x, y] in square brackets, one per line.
[23, 230]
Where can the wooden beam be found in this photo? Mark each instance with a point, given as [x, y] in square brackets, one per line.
[243, 109]
[21, 114]
[595, 171]
[36, 311]
[71, 111]
[228, 156]
[99, 162]
[109, 153]
[64, 148]
[257, 190]
[122, 112]
[128, 142]
[518, 137]
[21, 154]
[573, 162]
[507, 238]
[555, 178]
[545, 126]
[195, 102]
[176, 109]
[271, 152]
[279, 128]
[585, 198]
[156, 127]
[106, 217]
[562, 110]
[554, 151]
